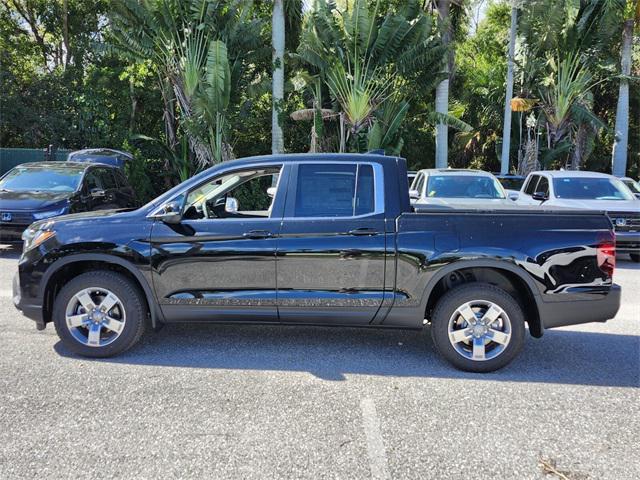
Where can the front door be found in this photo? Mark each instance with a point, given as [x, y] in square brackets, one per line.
[219, 263]
[331, 252]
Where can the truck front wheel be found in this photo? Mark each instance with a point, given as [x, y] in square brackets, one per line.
[478, 327]
[99, 314]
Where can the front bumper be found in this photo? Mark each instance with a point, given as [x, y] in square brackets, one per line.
[579, 310]
[28, 309]
[628, 242]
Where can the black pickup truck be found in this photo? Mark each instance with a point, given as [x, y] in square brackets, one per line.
[317, 239]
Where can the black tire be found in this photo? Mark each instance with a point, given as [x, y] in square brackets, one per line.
[635, 257]
[447, 306]
[133, 302]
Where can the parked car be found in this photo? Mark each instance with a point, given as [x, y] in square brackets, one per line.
[591, 191]
[457, 188]
[337, 243]
[38, 191]
[632, 185]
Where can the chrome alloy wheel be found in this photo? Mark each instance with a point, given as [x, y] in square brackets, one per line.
[479, 330]
[95, 317]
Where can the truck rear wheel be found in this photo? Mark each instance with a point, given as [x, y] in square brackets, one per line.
[478, 327]
[99, 314]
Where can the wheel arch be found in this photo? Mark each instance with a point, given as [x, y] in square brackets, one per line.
[74, 265]
[496, 272]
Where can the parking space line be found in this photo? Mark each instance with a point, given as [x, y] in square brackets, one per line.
[375, 444]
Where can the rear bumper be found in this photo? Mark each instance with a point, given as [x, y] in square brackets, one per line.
[628, 242]
[28, 309]
[574, 312]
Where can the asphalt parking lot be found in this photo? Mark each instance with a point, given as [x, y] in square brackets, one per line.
[214, 401]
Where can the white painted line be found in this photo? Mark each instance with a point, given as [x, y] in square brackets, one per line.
[375, 444]
[6, 293]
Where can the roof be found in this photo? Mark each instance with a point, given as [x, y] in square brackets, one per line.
[297, 157]
[573, 174]
[61, 165]
[455, 171]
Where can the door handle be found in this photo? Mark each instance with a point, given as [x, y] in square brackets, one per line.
[257, 234]
[363, 231]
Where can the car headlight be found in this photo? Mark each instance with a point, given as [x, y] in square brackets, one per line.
[49, 213]
[34, 237]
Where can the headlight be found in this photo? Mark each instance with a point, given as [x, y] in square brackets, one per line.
[49, 213]
[34, 237]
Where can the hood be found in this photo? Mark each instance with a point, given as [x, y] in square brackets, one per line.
[466, 203]
[89, 218]
[601, 205]
[12, 200]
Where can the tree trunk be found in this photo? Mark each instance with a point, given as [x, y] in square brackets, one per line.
[65, 32]
[277, 39]
[620, 145]
[506, 129]
[442, 90]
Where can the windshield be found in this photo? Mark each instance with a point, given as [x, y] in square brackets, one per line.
[463, 186]
[591, 188]
[51, 179]
[632, 184]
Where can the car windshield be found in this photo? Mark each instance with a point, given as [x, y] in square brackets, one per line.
[590, 188]
[22, 179]
[463, 186]
[632, 184]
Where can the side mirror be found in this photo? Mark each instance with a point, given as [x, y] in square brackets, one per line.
[414, 194]
[540, 196]
[271, 191]
[513, 196]
[231, 205]
[97, 193]
[637, 195]
[170, 213]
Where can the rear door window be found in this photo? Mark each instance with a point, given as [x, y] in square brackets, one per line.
[334, 190]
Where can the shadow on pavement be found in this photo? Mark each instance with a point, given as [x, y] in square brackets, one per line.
[561, 356]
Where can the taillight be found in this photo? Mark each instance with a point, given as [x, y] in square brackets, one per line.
[607, 257]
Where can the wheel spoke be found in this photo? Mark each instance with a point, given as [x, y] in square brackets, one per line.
[478, 348]
[108, 302]
[492, 314]
[468, 314]
[76, 320]
[460, 335]
[498, 336]
[85, 300]
[113, 324]
[94, 334]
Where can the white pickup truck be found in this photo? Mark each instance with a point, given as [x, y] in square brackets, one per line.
[590, 191]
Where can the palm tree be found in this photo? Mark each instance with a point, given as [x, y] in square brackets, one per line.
[442, 90]
[619, 155]
[361, 55]
[202, 50]
[277, 36]
[506, 131]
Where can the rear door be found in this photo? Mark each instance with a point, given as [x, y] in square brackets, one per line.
[331, 250]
